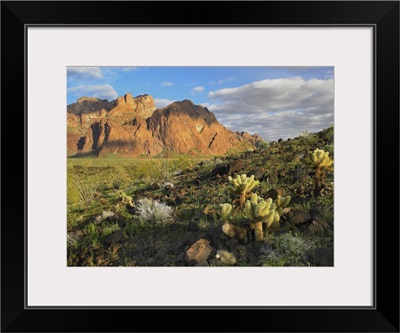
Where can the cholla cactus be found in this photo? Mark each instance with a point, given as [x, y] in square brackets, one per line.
[126, 199]
[321, 163]
[259, 210]
[242, 186]
[226, 209]
[281, 202]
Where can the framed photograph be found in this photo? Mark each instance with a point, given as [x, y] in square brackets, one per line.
[240, 162]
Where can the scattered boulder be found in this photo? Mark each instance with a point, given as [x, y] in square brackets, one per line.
[228, 168]
[273, 193]
[115, 237]
[297, 217]
[226, 258]
[317, 226]
[236, 166]
[221, 169]
[198, 252]
[257, 173]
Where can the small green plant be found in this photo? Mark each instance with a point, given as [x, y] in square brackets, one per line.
[90, 228]
[320, 162]
[242, 186]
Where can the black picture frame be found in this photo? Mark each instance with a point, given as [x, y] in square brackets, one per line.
[383, 316]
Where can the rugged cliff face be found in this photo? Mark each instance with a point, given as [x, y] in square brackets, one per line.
[134, 127]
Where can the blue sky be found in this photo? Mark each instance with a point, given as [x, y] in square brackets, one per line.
[273, 102]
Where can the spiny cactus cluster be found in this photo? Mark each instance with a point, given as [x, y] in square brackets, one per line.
[242, 186]
[258, 210]
[226, 209]
[319, 159]
[321, 163]
[281, 203]
[126, 199]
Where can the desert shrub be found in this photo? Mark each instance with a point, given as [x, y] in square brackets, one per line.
[154, 211]
[121, 177]
[163, 169]
[290, 249]
[87, 193]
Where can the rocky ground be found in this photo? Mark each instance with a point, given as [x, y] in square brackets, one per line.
[176, 221]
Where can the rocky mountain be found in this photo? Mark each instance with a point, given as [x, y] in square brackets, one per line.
[133, 126]
[85, 105]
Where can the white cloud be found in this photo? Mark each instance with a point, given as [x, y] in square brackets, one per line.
[166, 84]
[84, 73]
[197, 90]
[104, 91]
[278, 108]
[162, 102]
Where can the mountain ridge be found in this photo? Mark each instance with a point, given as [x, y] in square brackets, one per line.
[133, 126]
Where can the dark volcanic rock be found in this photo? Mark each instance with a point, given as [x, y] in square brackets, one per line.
[298, 217]
[115, 237]
[257, 173]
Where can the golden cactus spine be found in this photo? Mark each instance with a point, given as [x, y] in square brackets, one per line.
[259, 210]
[226, 209]
[321, 163]
[281, 203]
[242, 186]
